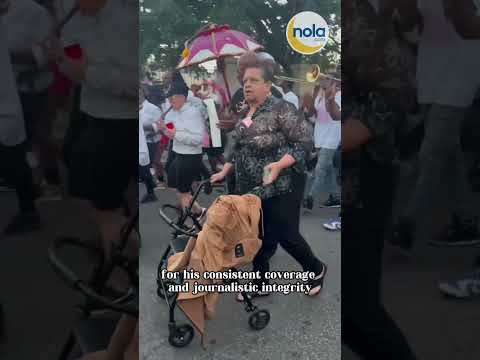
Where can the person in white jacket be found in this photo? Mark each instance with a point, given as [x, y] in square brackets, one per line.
[187, 135]
[13, 165]
[144, 153]
[107, 147]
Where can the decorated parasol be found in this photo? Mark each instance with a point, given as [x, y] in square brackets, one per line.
[214, 42]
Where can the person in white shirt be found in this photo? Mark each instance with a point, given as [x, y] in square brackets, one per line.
[288, 94]
[108, 76]
[327, 134]
[107, 147]
[34, 75]
[148, 113]
[465, 16]
[187, 137]
[448, 76]
[13, 165]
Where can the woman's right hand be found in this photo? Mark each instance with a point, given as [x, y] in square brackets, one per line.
[218, 177]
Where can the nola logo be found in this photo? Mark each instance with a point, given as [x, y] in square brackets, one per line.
[307, 32]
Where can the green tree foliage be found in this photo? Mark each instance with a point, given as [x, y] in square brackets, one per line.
[165, 25]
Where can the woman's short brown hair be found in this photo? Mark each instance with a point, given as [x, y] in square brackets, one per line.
[267, 71]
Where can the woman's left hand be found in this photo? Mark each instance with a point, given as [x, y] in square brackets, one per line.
[274, 170]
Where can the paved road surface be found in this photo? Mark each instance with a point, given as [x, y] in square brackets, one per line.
[300, 327]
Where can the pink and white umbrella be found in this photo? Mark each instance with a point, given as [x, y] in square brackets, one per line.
[216, 42]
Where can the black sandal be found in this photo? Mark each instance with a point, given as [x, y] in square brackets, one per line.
[251, 295]
[317, 283]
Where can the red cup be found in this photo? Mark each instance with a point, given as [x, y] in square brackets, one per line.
[74, 52]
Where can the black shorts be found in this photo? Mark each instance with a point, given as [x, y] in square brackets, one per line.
[213, 151]
[103, 160]
[183, 171]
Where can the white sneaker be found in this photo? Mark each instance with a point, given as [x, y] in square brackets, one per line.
[333, 225]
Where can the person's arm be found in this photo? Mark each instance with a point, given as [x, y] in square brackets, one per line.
[334, 110]
[36, 54]
[228, 168]
[354, 135]
[373, 120]
[463, 17]
[331, 104]
[144, 157]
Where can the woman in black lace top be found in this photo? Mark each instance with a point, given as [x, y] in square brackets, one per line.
[271, 142]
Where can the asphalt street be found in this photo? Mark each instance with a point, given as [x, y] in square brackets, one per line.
[39, 307]
[300, 327]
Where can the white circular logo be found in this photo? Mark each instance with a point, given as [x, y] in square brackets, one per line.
[307, 32]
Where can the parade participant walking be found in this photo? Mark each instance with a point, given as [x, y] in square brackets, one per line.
[13, 166]
[327, 135]
[187, 136]
[34, 76]
[157, 143]
[273, 139]
[147, 113]
[107, 146]
[372, 112]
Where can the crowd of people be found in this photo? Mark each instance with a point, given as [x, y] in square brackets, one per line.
[52, 62]
[402, 58]
[267, 145]
[272, 138]
[319, 106]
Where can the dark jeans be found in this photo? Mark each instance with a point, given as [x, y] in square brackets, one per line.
[147, 178]
[281, 221]
[15, 170]
[367, 328]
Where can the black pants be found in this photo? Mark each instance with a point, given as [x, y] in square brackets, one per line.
[38, 126]
[281, 220]
[367, 328]
[15, 170]
[147, 178]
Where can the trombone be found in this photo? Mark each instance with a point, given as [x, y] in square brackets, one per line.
[313, 77]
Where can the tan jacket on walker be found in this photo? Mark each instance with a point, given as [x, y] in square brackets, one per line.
[230, 238]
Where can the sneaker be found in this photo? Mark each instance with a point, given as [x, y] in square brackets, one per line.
[23, 223]
[331, 202]
[465, 288]
[402, 237]
[49, 192]
[333, 225]
[460, 233]
[148, 198]
[308, 203]
[160, 186]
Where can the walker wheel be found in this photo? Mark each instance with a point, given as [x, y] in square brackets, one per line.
[161, 293]
[181, 336]
[259, 319]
